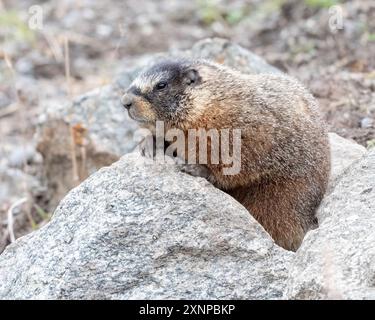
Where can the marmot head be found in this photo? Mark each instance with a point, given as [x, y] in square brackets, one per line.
[162, 91]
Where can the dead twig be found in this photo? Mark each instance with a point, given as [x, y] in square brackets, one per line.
[12, 108]
[70, 94]
[67, 67]
[54, 46]
[10, 218]
[74, 157]
[82, 39]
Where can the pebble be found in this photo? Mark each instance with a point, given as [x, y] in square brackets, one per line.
[367, 122]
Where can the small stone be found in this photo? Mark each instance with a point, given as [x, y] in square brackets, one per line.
[24, 66]
[367, 122]
[21, 155]
[4, 100]
[104, 30]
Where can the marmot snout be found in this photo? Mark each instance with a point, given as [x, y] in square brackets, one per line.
[285, 157]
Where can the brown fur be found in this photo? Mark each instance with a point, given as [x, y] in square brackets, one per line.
[285, 158]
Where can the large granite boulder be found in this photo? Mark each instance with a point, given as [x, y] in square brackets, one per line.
[138, 230]
[337, 260]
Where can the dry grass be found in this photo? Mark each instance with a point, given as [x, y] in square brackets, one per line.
[19, 202]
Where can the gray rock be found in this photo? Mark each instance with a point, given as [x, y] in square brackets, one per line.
[140, 230]
[367, 122]
[102, 115]
[337, 260]
[22, 155]
[344, 152]
[228, 53]
[102, 132]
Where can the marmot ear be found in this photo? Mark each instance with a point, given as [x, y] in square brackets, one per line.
[191, 76]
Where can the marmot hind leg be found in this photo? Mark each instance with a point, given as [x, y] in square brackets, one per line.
[285, 209]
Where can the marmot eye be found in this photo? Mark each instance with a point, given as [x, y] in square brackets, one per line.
[161, 85]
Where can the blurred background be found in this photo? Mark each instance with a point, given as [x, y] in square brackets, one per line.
[329, 45]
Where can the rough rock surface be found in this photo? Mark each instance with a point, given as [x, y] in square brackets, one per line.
[337, 260]
[143, 230]
[69, 157]
[343, 153]
[92, 132]
[230, 54]
[102, 115]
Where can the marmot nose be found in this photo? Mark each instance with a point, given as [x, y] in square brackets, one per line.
[127, 101]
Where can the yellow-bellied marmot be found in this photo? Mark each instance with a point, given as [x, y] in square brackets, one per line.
[285, 158]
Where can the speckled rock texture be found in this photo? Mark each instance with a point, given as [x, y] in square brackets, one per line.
[337, 260]
[343, 154]
[140, 230]
[231, 54]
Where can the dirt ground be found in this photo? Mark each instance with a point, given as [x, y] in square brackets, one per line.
[328, 44]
